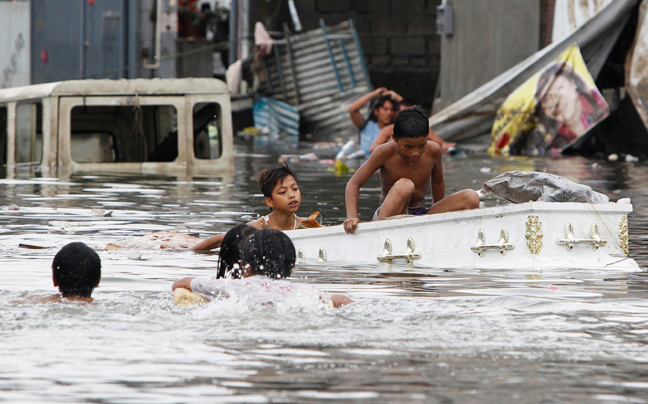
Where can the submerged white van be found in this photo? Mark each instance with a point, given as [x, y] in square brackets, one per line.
[148, 126]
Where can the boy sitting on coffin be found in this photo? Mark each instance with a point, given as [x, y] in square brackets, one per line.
[408, 166]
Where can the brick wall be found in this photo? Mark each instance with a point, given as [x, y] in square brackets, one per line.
[546, 21]
[398, 37]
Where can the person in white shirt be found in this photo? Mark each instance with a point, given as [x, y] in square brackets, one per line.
[266, 260]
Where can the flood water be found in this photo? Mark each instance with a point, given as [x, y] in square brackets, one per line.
[412, 336]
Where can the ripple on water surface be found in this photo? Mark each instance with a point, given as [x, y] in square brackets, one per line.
[412, 335]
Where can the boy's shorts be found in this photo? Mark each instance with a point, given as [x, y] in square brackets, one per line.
[416, 211]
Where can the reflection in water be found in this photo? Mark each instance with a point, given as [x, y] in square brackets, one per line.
[413, 335]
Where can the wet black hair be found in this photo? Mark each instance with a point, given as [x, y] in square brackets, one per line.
[406, 103]
[77, 270]
[383, 99]
[269, 252]
[270, 177]
[411, 122]
[230, 253]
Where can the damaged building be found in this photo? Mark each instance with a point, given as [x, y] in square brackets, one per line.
[611, 36]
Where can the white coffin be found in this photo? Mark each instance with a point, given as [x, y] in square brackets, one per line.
[532, 235]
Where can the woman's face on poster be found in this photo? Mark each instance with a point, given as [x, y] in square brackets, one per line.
[561, 101]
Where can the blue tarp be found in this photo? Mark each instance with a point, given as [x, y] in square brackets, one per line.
[277, 116]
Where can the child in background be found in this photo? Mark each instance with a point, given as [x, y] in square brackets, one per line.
[267, 258]
[281, 194]
[76, 271]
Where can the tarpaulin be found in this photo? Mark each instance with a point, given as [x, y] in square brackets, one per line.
[550, 111]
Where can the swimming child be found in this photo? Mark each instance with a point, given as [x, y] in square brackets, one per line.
[267, 259]
[229, 256]
[76, 271]
[407, 168]
[282, 195]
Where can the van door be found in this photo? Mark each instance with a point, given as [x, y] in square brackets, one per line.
[28, 151]
[210, 146]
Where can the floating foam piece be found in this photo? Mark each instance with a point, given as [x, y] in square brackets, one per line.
[185, 298]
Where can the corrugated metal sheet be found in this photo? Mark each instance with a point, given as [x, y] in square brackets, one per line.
[15, 39]
[305, 77]
[276, 116]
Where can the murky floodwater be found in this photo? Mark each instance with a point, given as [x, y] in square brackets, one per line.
[410, 337]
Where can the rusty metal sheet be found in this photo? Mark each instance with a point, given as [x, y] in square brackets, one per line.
[637, 66]
[569, 15]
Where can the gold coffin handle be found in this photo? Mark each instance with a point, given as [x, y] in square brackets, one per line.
[570, 241]
[410, 255]
[502, 245]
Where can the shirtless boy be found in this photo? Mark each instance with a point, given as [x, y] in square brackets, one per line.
[281, 194]
[385, 134]
[408, 166]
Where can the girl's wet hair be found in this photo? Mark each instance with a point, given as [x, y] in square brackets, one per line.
[229, 256]
[270, 177]
[269, 252]
[411, 122]
[383, 99]
[376, 103]
[406, 103]
[77, 270]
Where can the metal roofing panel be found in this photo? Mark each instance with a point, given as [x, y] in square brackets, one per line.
[310, 81]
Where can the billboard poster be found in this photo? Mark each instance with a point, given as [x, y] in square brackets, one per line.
[550, 111]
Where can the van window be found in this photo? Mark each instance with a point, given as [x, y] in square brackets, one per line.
[3, 135]
[207, 131]
[29, 133]
[124, 134]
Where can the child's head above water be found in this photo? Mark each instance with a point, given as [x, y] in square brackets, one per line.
[410, 123]
[271, 177]
[229, 255]
[280, 188]
[268, 252]
[76, 270]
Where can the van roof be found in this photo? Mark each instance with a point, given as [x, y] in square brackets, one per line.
[115, 87]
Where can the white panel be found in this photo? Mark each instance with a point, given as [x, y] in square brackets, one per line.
[15, 44]
[569, 15]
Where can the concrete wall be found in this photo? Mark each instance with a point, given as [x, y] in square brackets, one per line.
[14, 44]
[398, 37]
[489, 37]
[101, 39]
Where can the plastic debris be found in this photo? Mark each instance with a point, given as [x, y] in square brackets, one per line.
[525, 186]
